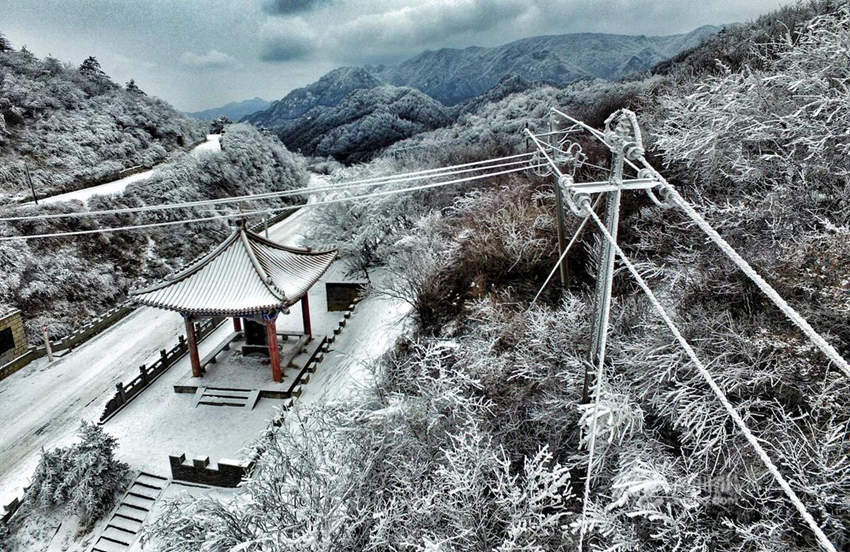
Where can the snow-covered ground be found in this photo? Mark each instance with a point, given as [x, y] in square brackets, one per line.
[212, 144]
[42, 404]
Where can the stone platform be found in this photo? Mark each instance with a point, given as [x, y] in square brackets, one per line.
[232, 374]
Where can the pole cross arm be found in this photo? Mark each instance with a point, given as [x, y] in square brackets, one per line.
[576, 193]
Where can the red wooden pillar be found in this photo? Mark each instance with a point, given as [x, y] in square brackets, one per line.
[192, 339]
[274, 353]
[305, 315]
[237, 324]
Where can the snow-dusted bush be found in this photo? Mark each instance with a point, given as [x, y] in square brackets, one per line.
[781, 128]
[85, 478]
[413, 469]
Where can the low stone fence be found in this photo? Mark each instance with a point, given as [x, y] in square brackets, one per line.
[126, 392]
[94, 326]
[227, 473]
[79, 336]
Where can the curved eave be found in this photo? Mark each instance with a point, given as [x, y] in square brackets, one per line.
[244, 276]
[211, 313]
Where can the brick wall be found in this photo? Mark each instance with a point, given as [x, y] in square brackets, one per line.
[12, 325]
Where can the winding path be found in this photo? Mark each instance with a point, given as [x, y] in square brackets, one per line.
[213, 144]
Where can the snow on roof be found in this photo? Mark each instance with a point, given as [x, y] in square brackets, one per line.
[246, 274]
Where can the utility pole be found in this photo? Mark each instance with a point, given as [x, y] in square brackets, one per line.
[47, 342]
[617, 137]
[622, 136]
[29, 180]
[562, 242]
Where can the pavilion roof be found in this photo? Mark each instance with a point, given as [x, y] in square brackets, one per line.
[245, 275]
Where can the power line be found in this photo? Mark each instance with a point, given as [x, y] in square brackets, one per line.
[270, 210]
[676, 198]
[762, 454]
[384, 180]
[826, 348]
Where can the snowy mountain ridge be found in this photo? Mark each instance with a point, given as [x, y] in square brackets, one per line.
[233, 110]
[449, 82]
[455, 75]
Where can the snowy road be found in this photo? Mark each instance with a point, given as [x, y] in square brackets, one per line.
[41, 405]
[212, 144]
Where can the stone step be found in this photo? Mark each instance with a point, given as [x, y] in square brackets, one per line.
[104, 545]
[226, 395]
[130, 513]
[144, 492]
[118, 536]
[137, 502]
[228, 390]
[129, 525]
[152, 479]
[222, 402]
[152, 488]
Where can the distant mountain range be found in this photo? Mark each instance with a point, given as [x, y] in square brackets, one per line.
[453, 76]
[319, 118]
[233, 111]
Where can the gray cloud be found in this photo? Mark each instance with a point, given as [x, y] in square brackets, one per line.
[386, 32]
[288, 7]
[288, 39]
[213, 59]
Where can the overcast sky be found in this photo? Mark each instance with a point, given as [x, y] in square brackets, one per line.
[204, 53]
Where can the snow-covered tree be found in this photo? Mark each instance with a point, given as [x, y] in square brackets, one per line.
[132, 87]
[84, 478]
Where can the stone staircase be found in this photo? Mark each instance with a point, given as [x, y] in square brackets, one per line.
[226, 396]
[123, 528]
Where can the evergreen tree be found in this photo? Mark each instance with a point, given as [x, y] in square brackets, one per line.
[5, 45]
[134, 88]
[90, 68]
[85, 476]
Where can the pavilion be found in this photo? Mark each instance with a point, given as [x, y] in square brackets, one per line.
[245, 277]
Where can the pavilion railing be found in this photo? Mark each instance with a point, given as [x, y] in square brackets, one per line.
[126, 392]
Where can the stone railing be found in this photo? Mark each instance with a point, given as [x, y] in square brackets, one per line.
[126, 392]
[79, 336]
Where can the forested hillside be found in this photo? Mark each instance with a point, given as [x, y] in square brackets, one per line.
[474, 435]
[74, 127]
[62, 282]
[366, 121]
